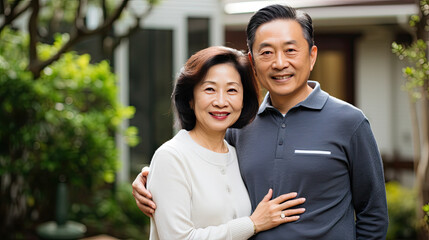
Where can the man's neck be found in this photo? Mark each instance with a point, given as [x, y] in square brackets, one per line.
[283, 103]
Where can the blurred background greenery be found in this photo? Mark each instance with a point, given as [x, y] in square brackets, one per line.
[59, 120]
[61, 125]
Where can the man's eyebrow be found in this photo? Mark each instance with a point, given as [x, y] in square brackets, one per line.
[264, 44]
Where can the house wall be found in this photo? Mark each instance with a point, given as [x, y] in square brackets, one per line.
[373, 84]
[173, 14]
[379, 94]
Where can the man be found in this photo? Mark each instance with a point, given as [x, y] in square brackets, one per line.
[304, 140]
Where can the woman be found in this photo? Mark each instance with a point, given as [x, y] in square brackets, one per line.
[195, 179]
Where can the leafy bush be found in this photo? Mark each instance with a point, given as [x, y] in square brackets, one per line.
[426, 218]
[118, 213]
[401, 203]
[59, 125]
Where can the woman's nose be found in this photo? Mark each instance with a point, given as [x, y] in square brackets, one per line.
[220, 100]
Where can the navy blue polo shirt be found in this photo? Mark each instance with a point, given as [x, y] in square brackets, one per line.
[324, 150]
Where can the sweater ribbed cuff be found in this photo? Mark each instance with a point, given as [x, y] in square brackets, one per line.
[241, 228]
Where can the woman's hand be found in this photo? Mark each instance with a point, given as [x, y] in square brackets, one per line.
[271, 213]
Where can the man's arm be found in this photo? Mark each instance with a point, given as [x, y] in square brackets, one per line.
[142, 195]
[368, 188]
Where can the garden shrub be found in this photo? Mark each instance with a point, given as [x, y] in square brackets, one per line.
[401, 203]
[59, 125]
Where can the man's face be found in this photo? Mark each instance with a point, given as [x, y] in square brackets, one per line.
[282, 59]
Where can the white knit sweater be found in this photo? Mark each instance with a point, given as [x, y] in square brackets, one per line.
[199, 193]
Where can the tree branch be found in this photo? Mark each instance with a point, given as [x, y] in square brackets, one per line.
[11, 12]
[76, 36]
[107, 23]
[104, 9]
[134, 28]
[32, 29]
[79, 21]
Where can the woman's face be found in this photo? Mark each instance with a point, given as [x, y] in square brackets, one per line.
[218, 98]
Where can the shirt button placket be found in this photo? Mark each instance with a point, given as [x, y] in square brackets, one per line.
[280, 140]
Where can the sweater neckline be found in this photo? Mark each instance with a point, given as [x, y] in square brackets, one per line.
[216, 158]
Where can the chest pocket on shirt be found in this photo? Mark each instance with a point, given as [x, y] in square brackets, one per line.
[312, 152]
[317, 162]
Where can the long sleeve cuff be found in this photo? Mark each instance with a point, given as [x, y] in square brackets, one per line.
[241, 228]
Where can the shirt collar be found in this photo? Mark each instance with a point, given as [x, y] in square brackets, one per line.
[316, 99]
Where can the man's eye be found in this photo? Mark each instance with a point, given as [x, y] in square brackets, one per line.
[266, 53]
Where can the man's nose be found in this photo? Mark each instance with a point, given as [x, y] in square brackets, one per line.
[280, 61]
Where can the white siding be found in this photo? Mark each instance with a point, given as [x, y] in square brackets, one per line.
[374, 84]
[173, 14]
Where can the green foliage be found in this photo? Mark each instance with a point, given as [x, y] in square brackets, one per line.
[416, 54]
[401, 203]
[119, 214]
[62, 124]
[426, 210]
[418, 72]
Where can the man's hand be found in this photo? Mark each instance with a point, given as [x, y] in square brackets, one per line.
[142, 195]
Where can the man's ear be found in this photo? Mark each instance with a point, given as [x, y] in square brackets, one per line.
[191, 104]
[313, 56]
[249, 55]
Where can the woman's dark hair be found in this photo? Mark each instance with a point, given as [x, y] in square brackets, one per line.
[275, 12]
[195, 71]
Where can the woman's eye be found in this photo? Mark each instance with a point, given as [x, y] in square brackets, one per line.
[209, 89]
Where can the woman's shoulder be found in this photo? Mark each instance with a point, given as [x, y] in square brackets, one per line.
[173, 147]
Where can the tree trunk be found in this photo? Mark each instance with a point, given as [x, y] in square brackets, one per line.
[416, 131]
[422, 173]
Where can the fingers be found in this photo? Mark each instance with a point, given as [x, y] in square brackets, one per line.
[268, 196]
[289, 219]
[292, 212]
[138, 186]
[292, 203]
[145, 209]
[143, 200]
[284, 197]
[143, 196]
[145, 171]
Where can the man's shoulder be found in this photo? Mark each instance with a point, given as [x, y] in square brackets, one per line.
[343, 109]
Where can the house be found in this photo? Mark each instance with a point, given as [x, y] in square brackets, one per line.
[355, 63]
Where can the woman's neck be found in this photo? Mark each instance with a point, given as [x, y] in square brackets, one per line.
[213, 141]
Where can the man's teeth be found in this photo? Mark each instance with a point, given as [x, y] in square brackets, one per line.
[282, 77]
